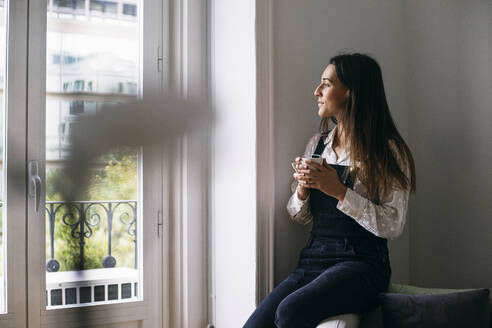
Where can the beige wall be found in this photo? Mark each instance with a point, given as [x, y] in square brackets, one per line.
[450, 80]
[435, 56]
[306, 34]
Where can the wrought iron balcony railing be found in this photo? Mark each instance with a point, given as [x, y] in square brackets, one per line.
[82, 217]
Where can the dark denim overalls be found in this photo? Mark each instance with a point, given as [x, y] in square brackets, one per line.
[341, 270]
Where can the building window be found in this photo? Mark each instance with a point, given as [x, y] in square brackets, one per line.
[130, 10]
[78, 86]
[107, 7]
[76, 107]
[69, 4]
[96, 6]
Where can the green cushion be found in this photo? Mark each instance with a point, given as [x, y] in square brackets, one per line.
[413, 290]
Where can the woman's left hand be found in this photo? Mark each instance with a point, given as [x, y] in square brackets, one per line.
[322, 177]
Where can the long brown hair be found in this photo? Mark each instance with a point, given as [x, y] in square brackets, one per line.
[368, 127]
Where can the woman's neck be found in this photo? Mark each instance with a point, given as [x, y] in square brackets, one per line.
[339, 139]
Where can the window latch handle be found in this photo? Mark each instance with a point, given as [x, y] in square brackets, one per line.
[159, 222]
[35, 183]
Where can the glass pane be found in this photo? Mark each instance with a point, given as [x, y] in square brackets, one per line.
[92, 61]
[3, 223]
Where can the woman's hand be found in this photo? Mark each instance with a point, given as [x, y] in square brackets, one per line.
[302, 191]
[321, 177]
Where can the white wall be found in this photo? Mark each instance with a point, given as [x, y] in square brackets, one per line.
[233, 160]
[306, 34]
[450, 109]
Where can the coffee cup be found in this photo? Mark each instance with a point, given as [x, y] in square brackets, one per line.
[318, 160]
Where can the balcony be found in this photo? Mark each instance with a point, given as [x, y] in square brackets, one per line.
[100, 280]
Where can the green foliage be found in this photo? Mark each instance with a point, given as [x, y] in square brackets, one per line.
[115, 179]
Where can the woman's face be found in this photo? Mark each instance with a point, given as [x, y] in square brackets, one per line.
[332, 94]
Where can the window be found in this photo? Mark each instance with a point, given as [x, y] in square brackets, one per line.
[85, 68]
[68, 6]
[129, 9]
[78, 86]
[92, 254]
[106, 7]
[76, 107]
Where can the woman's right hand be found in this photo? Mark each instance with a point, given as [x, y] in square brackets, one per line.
[302, 191]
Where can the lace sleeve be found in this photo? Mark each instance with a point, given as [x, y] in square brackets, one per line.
[299, 210]
[386, 220]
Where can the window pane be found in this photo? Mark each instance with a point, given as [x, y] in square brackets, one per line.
[92, 61]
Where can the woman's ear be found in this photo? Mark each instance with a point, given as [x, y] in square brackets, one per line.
[347, 94]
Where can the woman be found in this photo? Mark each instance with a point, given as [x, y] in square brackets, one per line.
[356, 200]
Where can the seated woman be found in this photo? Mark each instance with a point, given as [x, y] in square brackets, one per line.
[357, 200]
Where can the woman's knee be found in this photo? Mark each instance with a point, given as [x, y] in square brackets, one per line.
[290, 313]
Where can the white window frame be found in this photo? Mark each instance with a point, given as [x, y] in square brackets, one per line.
[108, 313]
[265, 150]
[15, 132]
[186, 166]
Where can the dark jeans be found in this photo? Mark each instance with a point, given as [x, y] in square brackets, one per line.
[334, 276]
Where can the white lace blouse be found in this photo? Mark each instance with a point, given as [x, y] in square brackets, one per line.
[385, 220]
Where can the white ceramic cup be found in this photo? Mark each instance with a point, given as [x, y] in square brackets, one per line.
[318, 160]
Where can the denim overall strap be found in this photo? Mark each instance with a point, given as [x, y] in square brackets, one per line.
[328, 220]
[321, 146]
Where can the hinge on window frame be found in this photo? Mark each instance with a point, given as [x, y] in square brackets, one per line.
[159, 222]
[159, 59]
